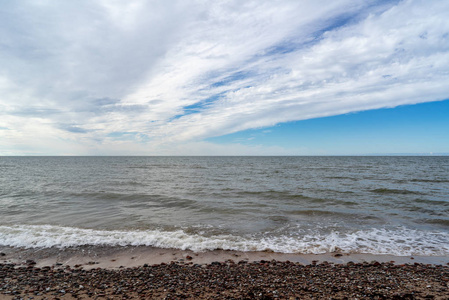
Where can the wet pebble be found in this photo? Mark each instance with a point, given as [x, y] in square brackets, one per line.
[229, 280]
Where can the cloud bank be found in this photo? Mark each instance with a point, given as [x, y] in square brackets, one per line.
[151, 77]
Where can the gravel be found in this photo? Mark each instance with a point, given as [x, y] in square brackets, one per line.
[228, 280]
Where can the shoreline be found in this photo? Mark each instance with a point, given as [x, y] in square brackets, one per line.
[155, 273]
[108, 257]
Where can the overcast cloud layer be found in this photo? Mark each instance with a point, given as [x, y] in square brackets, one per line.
[158, 77]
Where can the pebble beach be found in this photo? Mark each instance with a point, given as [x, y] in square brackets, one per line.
[228, 280]
[105, 273]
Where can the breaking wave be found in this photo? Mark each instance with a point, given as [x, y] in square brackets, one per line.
[400, 241]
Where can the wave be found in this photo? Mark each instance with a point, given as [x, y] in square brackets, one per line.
[400, 241]
[394, 191]
[433, 202]
[430, 180]
[318, 212]
[283, 195]
[444, 222]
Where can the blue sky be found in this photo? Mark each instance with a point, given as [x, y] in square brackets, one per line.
[413, 129]
[195, 77]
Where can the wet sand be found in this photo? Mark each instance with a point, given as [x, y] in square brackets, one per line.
[154, 273]
[90, 257]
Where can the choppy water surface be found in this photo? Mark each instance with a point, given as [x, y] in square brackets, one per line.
[390, 205]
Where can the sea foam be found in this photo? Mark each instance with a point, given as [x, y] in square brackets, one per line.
[400, 241]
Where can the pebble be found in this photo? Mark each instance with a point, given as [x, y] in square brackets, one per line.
[229, 280]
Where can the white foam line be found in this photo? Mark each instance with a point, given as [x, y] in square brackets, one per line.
[400, 242]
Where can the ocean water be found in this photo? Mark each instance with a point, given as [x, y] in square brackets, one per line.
[378, 205]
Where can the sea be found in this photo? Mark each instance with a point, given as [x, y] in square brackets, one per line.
[377, 205]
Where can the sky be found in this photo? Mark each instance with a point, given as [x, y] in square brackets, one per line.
[198, 77]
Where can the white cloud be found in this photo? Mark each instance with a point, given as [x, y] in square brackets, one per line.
[378, 62]
[77, 75]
